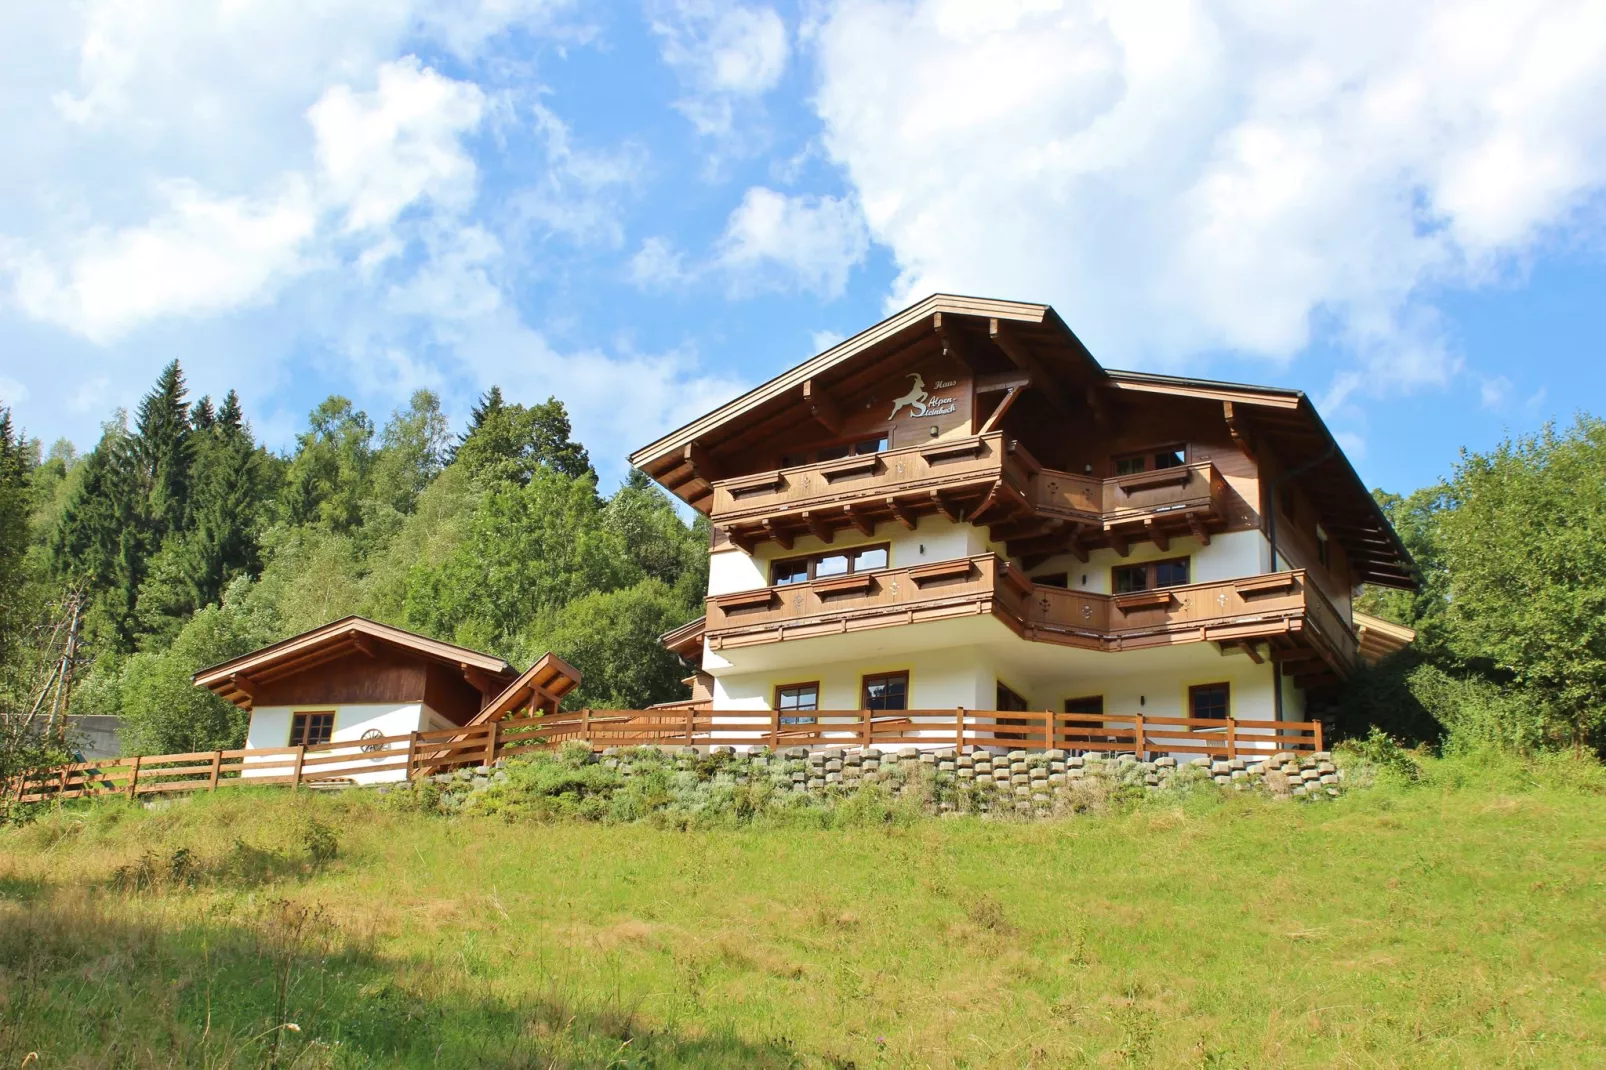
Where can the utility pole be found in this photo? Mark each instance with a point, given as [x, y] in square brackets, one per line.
[69, 656]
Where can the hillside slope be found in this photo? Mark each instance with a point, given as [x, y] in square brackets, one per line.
[1455, 922]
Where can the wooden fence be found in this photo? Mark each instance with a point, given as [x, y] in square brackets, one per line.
[421, 753]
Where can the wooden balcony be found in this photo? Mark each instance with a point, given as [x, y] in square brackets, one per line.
[984, 479]
[1077, 513]
[956, 478]
[1281, 615]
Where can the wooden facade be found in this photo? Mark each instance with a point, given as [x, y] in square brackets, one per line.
[993, 415]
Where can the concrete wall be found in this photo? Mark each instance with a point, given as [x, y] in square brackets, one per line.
[270, 727]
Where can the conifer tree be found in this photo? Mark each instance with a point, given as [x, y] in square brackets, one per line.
[163, 450]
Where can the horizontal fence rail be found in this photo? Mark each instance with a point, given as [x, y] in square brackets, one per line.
[418, 754]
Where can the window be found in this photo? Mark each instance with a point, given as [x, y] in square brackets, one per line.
[1053, 579]
[1210, 701]
[1285, 502]
[1321, 548]
[888, 691]
[307, 729]
[797, 698]
[1085, 704]
[837, 451]
[1172, 572]
[1151, 460]
[825, 565]
[1007, 699]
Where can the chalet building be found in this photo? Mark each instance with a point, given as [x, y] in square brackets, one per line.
[959, 507]
[360, 682]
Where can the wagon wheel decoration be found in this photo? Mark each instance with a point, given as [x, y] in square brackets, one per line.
[370, 748]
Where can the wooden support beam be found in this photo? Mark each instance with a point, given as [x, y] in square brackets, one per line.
[943, 507]
[899, 510]
[996, 417]
[1253, 650]
[361, 642]
[1012, 348]
[779, 534]
[1160, 538]
[244, 685]
[1196, 526]
[740, 540]
[994, 496]
[1320, 679]
[859, 520]
[953, 346]
[1119, 544]
[818, 527]
[1294, 654]
[1237, 429]
[479, 679]
[702, 465]
[822, 407]
[993, 382]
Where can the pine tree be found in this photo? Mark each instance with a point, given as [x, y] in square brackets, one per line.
[202, 416]
[100, 543]
[489, 404]
[229, 417]
[163, 450]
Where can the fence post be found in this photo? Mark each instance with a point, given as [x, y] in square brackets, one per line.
[865, 727]
[1318, 727]
[133, 778]
[492, 738]
[585, 725]
[691, 718]
[1232, 737]
[959, 729]
[301, 756]
[61, 785]
[412, 754]
[1048, 729]
[217, 770]
[1137, 727]
[775, 730]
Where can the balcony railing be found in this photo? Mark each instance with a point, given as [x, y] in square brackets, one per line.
[915, 471]
[988, 477]
[1244, 609]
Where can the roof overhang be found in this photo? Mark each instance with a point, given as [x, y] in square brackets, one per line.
[1379, 638]
[237, 679]
[543, 684]
[1286, 420]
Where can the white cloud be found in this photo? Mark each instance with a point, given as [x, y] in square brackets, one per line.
[381, 151]
[200, 254]
[659, 265]
[725, 55]
[1495, 391]
[777, 241]
[823, 340]
[1190, 175]
[12, 392]
[578, 192]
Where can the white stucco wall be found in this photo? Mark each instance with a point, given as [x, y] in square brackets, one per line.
[270, 727]
[1237, 553]
[933, 539]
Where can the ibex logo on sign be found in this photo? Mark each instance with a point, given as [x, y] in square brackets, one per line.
[915, 398]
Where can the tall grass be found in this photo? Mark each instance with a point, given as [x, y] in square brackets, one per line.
[1452, 918]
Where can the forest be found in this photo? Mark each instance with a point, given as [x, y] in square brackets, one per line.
[182, 541]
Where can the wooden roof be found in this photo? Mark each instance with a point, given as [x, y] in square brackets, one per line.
[1379, 638]
[988, 333]
[543, 684]
[236, 679]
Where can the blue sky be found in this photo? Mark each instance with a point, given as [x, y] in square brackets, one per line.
[644, 208]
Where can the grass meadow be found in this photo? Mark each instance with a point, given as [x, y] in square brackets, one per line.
[1460, 921]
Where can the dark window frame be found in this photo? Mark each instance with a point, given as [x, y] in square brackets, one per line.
[850, 447]
[868, 678]
[1324, 549]
[814, 559]
[1084, 700]
[307, 723]
[1149, 456]
[1223, 686]
[1006, 699]
[1151, 574]
[806, 685]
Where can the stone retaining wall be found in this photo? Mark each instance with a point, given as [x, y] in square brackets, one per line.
[983, 781]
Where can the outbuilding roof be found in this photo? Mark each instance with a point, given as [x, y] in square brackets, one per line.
[237, 679]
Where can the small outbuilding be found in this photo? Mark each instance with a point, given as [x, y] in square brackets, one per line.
[356, 680]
